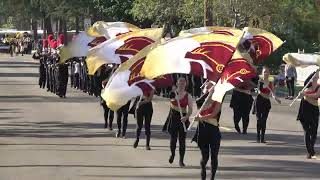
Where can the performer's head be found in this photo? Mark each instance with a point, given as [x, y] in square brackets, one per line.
[265, 72]
[181, 83]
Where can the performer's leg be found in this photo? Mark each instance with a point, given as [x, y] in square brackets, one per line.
[259, 125]
[111, 116]
[313, 134]
[205, 157]
[140, 117]
[307, 136]
[245, 122]
[147, 127]
[215, 146]
[264, 124]
[182, 145]
[173, 145]
[119, 117]
[125, 119]
[106, 113]
[236, 119]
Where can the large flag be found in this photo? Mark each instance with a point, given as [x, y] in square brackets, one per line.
[255, 46]
[211, 29]
[127, 83]
[298, 59]
[119, 49]
[110, 29]
[238, 73]
[203, 55]
[79, 47]
[259, 43]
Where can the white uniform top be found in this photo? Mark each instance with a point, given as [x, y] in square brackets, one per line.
[77, 68]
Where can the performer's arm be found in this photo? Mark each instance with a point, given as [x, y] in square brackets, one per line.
[313, 95]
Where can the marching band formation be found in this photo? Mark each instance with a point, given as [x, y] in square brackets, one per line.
[54, 71]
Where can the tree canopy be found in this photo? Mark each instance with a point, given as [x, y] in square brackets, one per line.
[296, 21]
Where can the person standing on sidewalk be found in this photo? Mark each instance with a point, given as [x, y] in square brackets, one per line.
[291, 76]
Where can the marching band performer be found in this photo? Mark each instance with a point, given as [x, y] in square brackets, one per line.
[180, 103]
[105, 73]
[263, 104]
[208, 135]
[309, 113]
[144, 113]
[241, 103]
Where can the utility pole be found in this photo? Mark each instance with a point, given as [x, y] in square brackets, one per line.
[208, 16]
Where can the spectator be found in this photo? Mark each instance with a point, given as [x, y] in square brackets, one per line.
[291, 76]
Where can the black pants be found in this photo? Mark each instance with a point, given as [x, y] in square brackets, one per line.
[241, 104]
[123, 112]
[107, 113]
[179, 133]
[290, 85]
[243, 114]
[11, 50]
[42, 78]
[48, 78]
[72, 80]
[310, 134]
[144, 113]
[76, 80]
[209, 146]
[263, 106]
[309, 118]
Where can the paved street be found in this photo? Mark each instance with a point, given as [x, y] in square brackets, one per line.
[43, 137]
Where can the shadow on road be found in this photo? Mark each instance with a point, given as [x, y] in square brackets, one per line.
[18, 63]
[31, 99]
[19, 74]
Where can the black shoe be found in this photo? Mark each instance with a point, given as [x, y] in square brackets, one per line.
[110, 129]
[237, 129]
[244, 132]
[258, 139]
[263, 141]
[171, 159]
[148, 148]
[118, 135]
[203, 174]
[123, 135]
[308, 156]
[105, 126]
[181, 164]
[135, 145]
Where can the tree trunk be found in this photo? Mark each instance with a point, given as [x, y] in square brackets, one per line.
[35, 29]
[65, 33]
[47, 25]
[77, 25]
[208, 16]
[61, 25]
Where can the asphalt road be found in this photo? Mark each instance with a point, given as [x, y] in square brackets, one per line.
[43, 137]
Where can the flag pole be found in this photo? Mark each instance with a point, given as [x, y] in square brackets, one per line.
[180, 111]
[304, 88]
